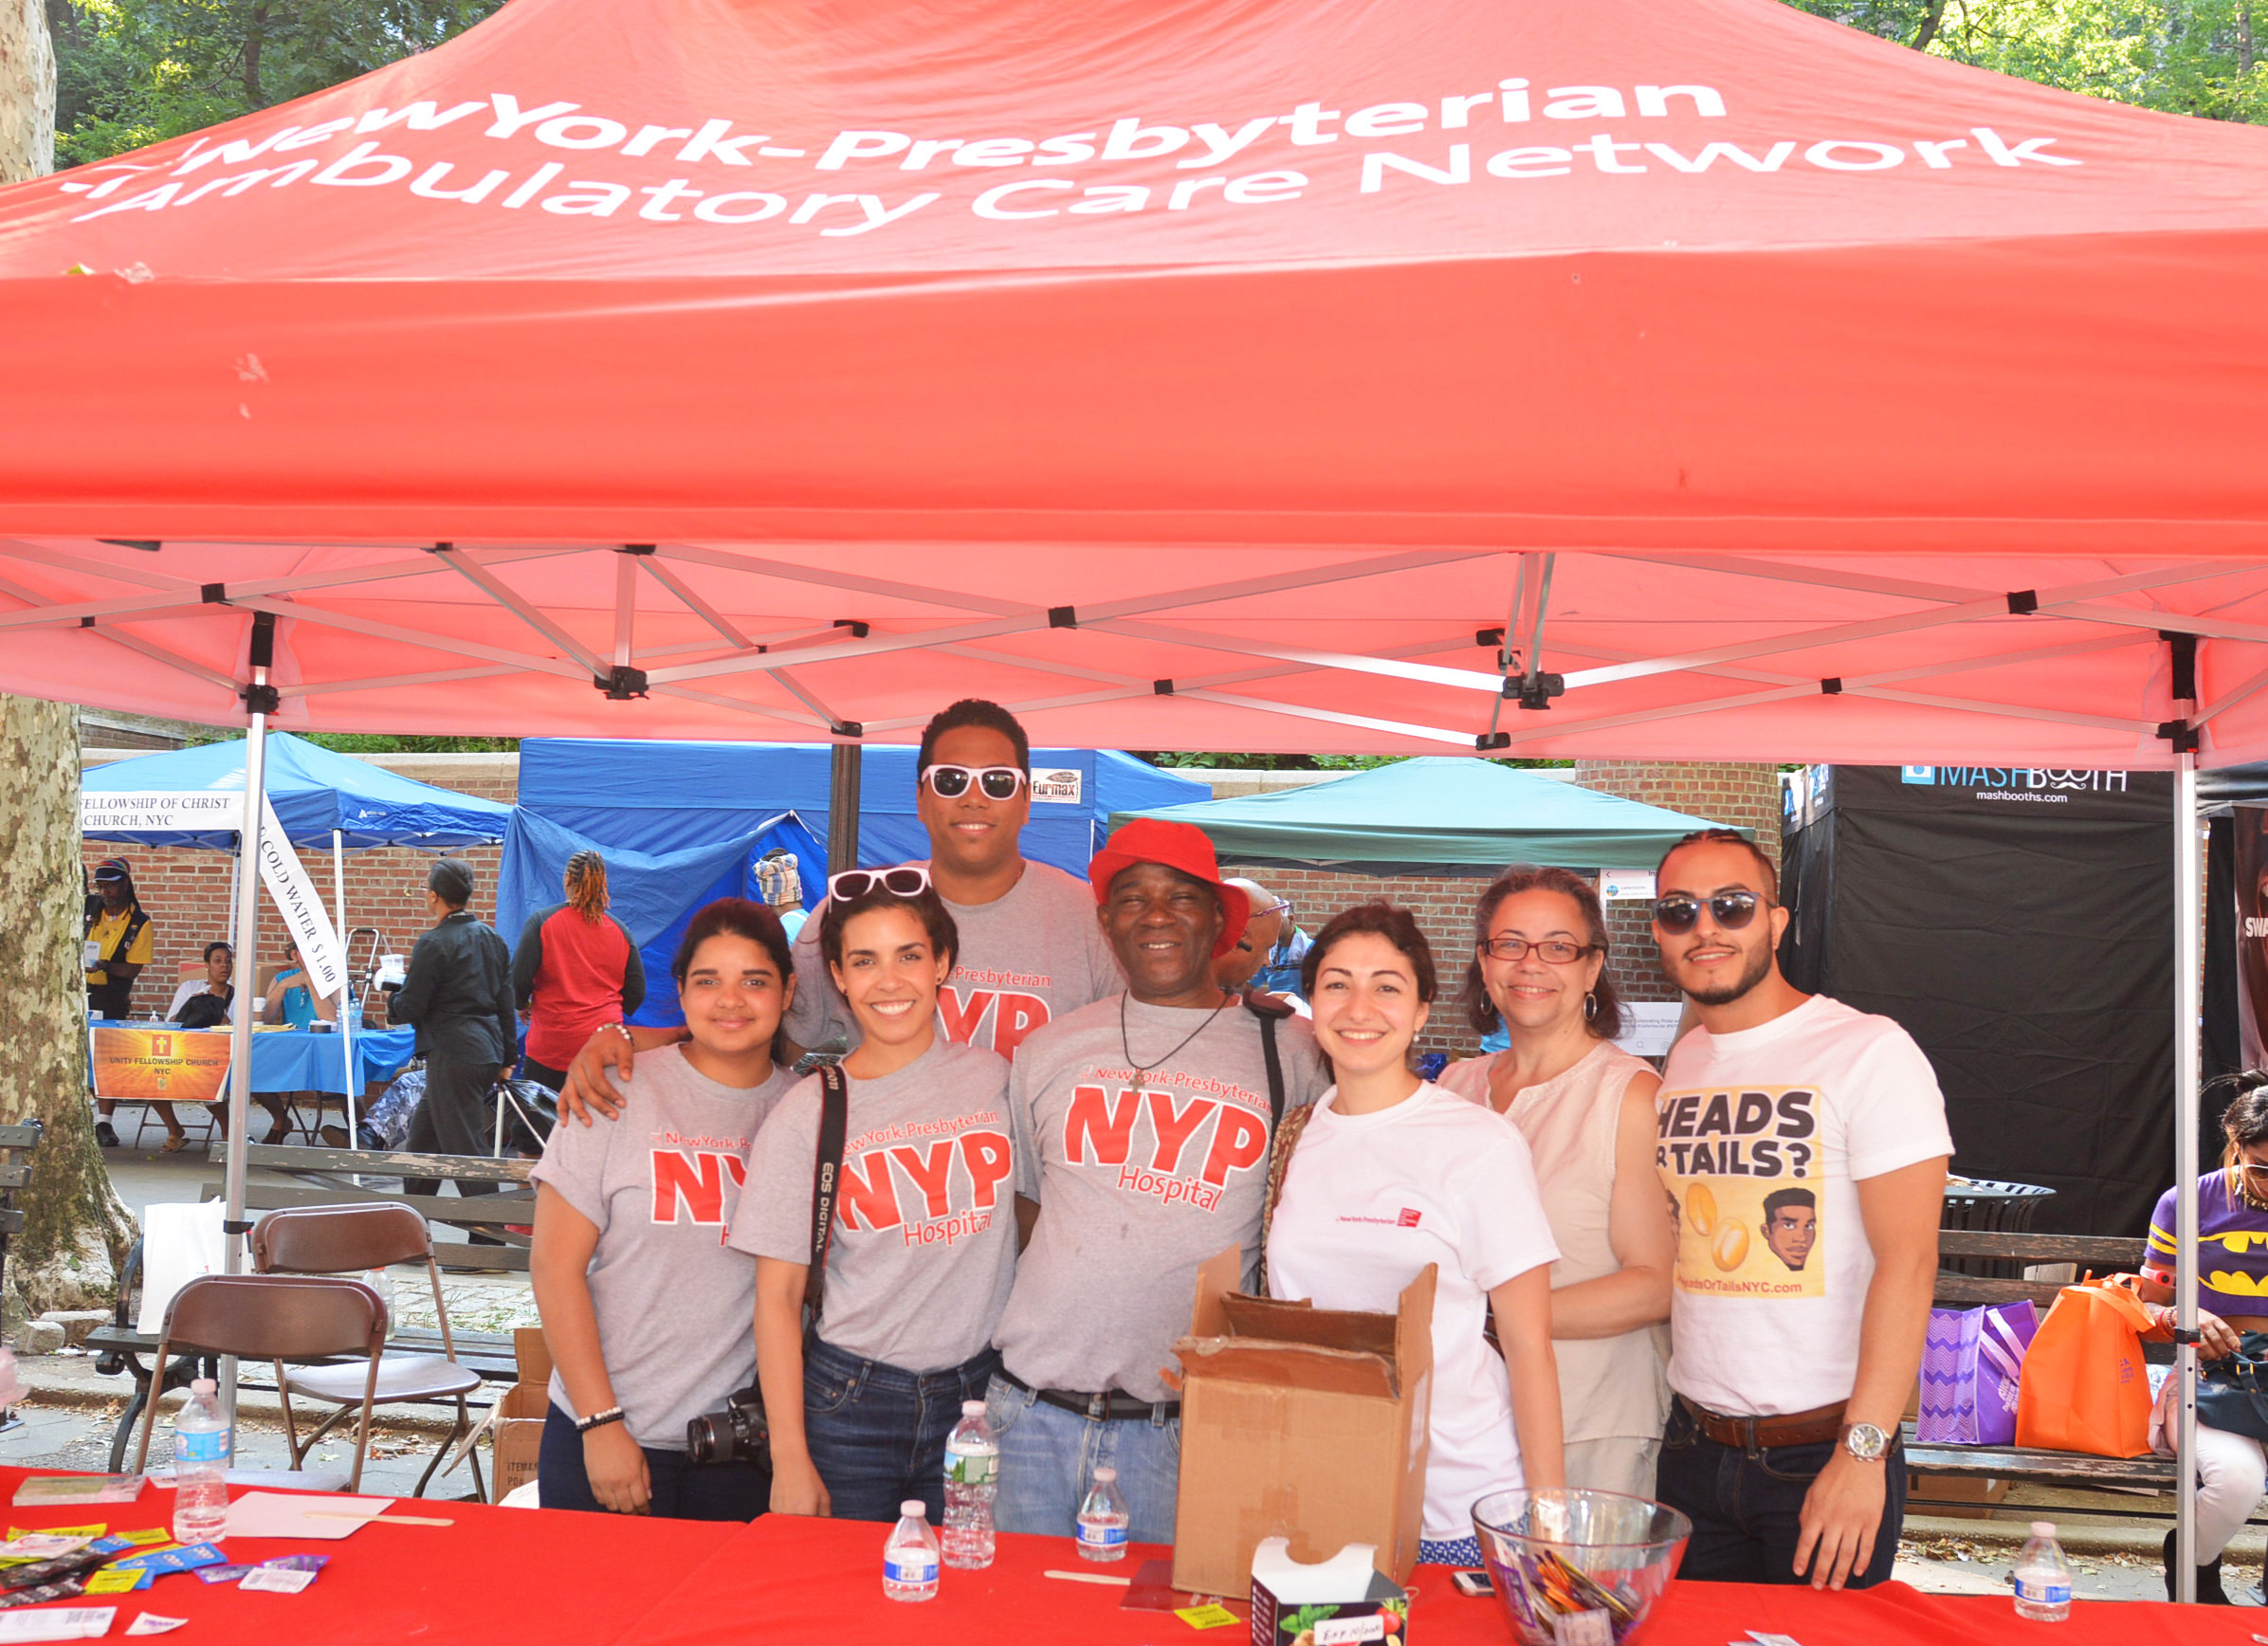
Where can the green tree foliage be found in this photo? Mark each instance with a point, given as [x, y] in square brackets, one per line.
[133, 72]
[2188, 57]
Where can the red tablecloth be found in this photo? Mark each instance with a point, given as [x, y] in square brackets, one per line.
[498, 1577]
[793, 1579]
[539, 1578]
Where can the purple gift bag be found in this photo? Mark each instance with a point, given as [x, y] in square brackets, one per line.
[1970, 1362]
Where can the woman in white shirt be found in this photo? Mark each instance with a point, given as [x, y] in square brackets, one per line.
[1388, 1173]
[1586, 1108]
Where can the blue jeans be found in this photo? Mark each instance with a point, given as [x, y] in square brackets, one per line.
[1049, 1457]
[1746, 1506]
[681, 1491]
[877, 1433]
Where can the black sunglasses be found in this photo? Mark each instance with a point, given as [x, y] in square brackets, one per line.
[1680, 911]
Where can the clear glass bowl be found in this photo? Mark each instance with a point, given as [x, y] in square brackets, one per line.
[1555, 1554]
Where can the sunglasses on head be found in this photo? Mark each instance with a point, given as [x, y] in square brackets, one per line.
[1680, 911]
[906, 880]
[997, 783]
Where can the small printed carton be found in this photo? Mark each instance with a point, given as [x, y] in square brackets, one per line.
[1343, 1602]
[520, 1413]
[1302, 1424]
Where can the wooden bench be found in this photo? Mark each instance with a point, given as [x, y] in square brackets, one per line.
[122, 1349]
[2003, 1250]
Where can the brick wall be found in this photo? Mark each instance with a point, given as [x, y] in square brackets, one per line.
[186, 892]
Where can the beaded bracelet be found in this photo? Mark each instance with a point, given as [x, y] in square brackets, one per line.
[598, 1419]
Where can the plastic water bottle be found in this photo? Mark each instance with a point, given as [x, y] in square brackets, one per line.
[972, 1477]
[2043, 1578]
[201, 1466]
[910, 1559]
[1102, 1520]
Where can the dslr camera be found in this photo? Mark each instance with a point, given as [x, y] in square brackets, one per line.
[737, 1433]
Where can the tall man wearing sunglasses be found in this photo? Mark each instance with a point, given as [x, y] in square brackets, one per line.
[1790, 1377]
[1143, 1125]
[1029, 951]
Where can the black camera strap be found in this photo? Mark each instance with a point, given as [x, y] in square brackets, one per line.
[827, 1173]
[1270, 1012]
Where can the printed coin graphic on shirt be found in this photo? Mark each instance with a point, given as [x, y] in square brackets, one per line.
[1742, 1168]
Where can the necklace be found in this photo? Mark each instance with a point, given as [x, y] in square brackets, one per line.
[1141, 1071]
[2241, 1181]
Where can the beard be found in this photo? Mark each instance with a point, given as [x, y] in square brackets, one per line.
[1758, 967]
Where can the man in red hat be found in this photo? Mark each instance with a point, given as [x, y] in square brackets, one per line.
[1142, 1125]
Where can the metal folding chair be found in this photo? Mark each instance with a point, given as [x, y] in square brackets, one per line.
[277, 1317]
[350, 1240]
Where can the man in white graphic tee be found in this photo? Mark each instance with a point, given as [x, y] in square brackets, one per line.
[1030, 950]
[1803, 1146]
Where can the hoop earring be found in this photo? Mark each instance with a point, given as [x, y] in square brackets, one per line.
[1590, 1007]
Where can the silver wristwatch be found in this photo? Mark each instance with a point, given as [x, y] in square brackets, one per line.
[1865, 1442]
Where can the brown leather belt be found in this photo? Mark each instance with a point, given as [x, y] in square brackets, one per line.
[1751, 1434]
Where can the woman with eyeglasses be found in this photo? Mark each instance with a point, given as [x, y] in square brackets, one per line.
[923, 1245]
[2232, 1295]
[1386, 1174]
[1587, 1109]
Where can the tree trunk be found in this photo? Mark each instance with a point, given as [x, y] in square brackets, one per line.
[1932, 19]
[74, 1228]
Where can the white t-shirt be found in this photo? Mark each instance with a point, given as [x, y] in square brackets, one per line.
[1762, 1137]
[1033, 955]
[182, 996]
[1370, 1199]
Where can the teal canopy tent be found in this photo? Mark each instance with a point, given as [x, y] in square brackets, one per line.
[1436, 815]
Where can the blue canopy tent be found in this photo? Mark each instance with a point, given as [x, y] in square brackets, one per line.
[665, 797]
[652, 894]
[1436, 815]
[324, 800]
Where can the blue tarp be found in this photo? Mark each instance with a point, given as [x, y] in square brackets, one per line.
[660, 797]
[313, 790]
[652, 894]
[1436, 815]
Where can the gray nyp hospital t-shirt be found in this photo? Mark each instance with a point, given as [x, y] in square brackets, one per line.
[1026, 958]
[924, 1234]
[675, 1305]
[1137, 1189]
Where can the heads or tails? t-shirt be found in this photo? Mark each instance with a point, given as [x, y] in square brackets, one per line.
[1026, 958]
[1137, 1186]
[924, 1228]
[675, 1306]
[1760, 1137]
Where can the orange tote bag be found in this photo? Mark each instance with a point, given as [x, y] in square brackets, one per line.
[2083, 1387]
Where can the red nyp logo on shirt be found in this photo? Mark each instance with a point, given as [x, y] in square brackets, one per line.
[1012, 1016]
[692, 1181]
[1408, 1218]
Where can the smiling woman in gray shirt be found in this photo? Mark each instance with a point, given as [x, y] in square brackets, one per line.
[645, 1309]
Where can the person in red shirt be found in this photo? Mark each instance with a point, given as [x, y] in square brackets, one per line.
[574, 970]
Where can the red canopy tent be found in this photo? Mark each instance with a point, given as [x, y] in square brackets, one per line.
[1213, 375]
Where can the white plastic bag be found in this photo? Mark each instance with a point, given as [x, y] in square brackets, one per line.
[179, 1242]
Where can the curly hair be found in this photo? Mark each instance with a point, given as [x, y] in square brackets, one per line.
[1397, 925]
[1604, 1021]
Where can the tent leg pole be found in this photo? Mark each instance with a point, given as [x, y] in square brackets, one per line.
[2188, 1007]
[842, 807]
[346, 995]
[248, 926]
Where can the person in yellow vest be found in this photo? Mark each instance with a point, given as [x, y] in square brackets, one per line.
[120, 942]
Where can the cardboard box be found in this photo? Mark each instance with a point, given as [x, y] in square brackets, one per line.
[1972, 1496]
[1299, 1422]
[520, 1414]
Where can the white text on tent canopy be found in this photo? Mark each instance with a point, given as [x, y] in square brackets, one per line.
[302, 911]
[189, 811]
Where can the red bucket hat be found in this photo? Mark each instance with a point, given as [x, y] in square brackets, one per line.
[1176, 846]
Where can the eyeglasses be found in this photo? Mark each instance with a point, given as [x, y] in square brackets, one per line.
[1553, 951]
[906, 880]
[1680, 911]
[997, 782]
